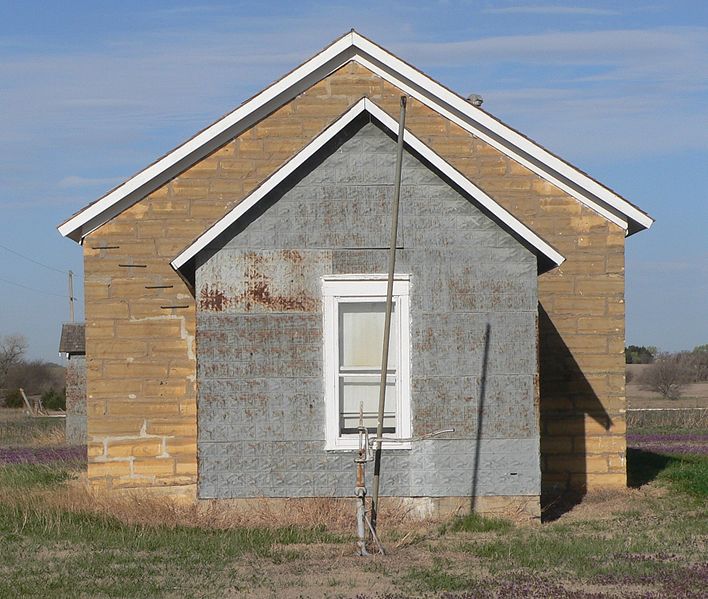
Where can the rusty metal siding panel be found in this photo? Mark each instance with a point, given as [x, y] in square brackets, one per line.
[259, 335]
[263, 281]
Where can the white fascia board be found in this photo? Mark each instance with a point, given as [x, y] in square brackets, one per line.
[268, 185]
[464, 183]
[413, 142]
[421, 96]
[506, 133]
[353, 46]
[178, 155]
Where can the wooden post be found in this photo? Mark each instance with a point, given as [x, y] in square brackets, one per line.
[27, 403]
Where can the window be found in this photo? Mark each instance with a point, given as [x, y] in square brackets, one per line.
[354, 313]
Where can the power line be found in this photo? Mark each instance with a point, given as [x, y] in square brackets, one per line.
[32, 260]
[33, 289]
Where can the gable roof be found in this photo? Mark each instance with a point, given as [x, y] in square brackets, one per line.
[355, 47]
[547, 254]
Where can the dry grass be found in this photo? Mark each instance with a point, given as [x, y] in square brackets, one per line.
[19, 429]
[149, 509]
[675, 420]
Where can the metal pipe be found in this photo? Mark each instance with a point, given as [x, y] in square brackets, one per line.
[387, 321]
[360, 492]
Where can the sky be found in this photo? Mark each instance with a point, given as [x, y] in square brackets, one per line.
[92, 92]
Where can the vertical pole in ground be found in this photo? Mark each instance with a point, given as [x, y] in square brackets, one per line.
[387, 321]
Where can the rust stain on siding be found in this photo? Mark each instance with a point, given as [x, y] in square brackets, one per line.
[213, 299]
[261, 283]
[293, 256]
[258, 290]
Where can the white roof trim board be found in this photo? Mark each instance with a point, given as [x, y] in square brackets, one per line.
[365, 105]
[416, 84]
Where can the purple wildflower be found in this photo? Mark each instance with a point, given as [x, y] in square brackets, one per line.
[42, 455]
[677, 444]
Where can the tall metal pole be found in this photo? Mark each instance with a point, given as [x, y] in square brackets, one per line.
[71, 296]
[387, 321]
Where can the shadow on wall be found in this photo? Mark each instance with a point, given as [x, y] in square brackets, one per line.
[480, 415]
[566, 401]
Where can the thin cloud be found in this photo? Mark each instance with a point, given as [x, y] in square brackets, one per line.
[608, 87]
[613, 47]
[550, 10]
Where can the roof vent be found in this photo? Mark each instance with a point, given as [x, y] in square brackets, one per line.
[475, 100]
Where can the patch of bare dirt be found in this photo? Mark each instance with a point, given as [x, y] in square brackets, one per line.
[604, 505]
[329, 571]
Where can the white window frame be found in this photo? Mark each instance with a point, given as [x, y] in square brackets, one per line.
[338, 289]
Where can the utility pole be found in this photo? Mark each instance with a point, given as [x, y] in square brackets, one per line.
[71, 296]
[387, 321]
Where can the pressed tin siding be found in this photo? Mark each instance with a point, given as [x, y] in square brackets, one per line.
[141, 354]
[75, 421]
[260, 338]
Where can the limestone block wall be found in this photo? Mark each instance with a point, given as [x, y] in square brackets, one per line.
[141, 315]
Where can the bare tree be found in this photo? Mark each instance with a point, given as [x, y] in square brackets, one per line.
[35, 376]
[12, 348]
[667, 375]
[697, 361]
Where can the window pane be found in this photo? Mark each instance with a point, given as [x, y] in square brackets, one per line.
[361, 326]
[356, 391]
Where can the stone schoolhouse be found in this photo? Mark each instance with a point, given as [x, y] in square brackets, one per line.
[234, 295]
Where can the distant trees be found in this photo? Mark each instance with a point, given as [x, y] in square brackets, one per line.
[639, 354]
[666, 376]
[34, 376]
[697, 364]
[669, 373]
[12, 349]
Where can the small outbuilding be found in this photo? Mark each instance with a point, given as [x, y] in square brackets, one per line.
[234, 295]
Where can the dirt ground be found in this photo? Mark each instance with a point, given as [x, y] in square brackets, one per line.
[328, 570]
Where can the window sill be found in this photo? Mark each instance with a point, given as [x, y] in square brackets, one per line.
[354, 446]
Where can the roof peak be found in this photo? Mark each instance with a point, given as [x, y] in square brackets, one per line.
[527, 236]
[354, 46]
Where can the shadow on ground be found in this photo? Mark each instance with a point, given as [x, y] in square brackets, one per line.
[644, 466]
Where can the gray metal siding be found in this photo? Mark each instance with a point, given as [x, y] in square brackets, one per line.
[260, 338]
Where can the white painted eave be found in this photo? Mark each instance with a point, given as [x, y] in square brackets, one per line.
[413, 143]
[416, 84]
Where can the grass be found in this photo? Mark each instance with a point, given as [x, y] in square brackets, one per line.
[58, 539]
[89, 553]
[437, 578]
[19, 476]
[475, 523]
[659, 545]
[668, 421]
[18, 430]
[687, 474]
